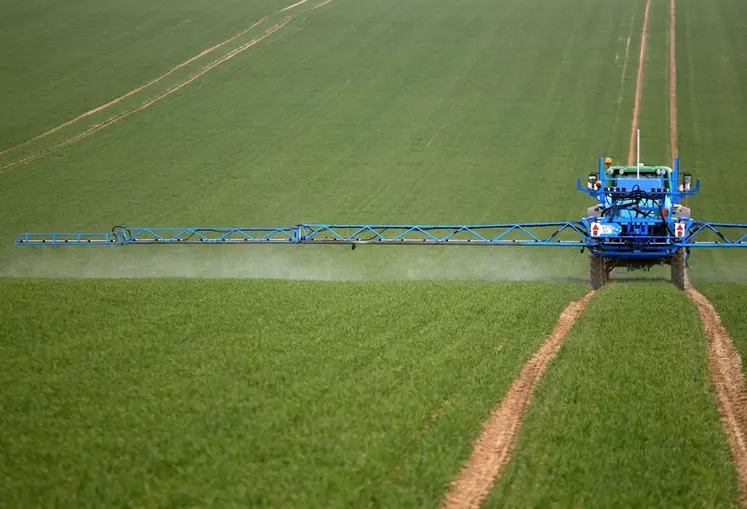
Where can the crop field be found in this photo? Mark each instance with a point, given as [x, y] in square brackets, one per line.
[624, 406]
[317, 376]
[290, 394]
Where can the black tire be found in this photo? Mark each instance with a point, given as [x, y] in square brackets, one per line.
[678, 268]
[597, 271]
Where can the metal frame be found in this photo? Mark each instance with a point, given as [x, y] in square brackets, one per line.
[508, 234]
[513, 234]
[699, 228]
[607, 190]
[638, 237]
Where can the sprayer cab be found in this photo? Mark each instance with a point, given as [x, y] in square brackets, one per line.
[639, 220]
[659, 188]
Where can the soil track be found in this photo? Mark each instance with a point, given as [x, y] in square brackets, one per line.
[626, 60]
[321, 4]
[672, 81]
[134, 91]
[725, 367]
[492, 450]
[149, 83]
[292, 6]
[639, 87]
[113, 120]
[724, 361]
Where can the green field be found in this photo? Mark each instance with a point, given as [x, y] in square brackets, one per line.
[731, 300]
[309, 376]
[288, 394]
[712, 118]
[624, 406]
[330, 120]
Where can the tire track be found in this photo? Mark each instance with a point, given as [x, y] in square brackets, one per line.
[113, 120]
[492, 450]
[672, 81]
[321, 4]
[148, 84]
[724, 361]
[639, 86]
[292, 6]
[727, 377]
[133, 91]
[621, 89]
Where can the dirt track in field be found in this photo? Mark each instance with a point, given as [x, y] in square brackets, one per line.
[672, 80]
[639, 87]
[322, 4]
[626, 60]
[724, 361]
[134, 91]
[492, 450]
[113, 120]
[725, 367]
[292, 6]
[138, 90]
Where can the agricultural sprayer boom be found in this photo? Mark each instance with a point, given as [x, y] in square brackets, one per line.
[487, 234]
[639, 222]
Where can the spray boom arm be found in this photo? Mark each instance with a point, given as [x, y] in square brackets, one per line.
[611, 187]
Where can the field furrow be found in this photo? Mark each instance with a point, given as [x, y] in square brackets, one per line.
[274, 394]
[318, 376]
[725, 364]
[87, 53]
[359, 112]
[492, 450]
[625, 416]
[712, 122]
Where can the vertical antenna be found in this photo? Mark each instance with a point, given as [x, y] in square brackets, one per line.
[638, 165]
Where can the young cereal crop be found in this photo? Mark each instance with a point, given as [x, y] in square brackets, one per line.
[730, 299]
[309, 394]
[275, 394]
[625, 415]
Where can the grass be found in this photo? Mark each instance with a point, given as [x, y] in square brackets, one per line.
[316, 394]
[730, 300]
[713, 121]
[358, 112]
[63, 58]
[624, 416]
[279, 394]
[654, 114]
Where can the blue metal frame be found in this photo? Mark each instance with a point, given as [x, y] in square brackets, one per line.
[507, 234]
[514, 234]
[701, 229]
[637, 231]
[605, 190]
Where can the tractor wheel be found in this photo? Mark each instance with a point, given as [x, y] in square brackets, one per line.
[678, 268]
[597, 271]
